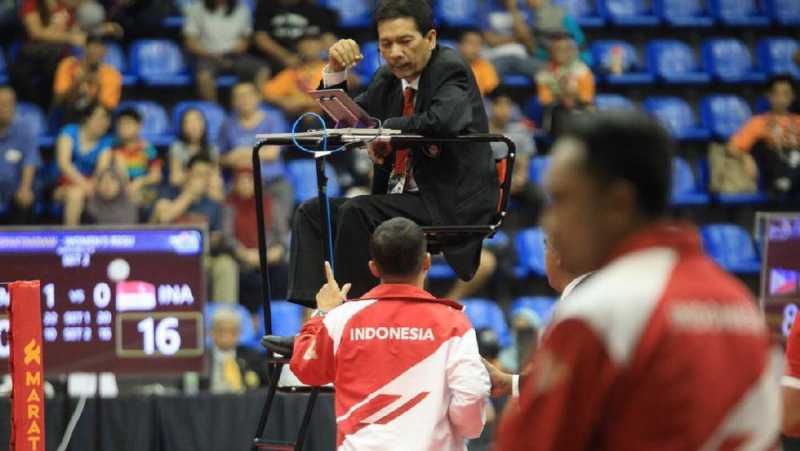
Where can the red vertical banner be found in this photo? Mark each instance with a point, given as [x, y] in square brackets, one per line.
[26, 367]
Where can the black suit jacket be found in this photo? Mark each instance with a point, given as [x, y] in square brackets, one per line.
[459, 186]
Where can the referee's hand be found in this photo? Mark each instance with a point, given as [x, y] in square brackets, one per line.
[344, 54]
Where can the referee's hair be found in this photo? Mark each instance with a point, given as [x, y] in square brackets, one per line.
[630, 146]
[398, 247]
[418, 10]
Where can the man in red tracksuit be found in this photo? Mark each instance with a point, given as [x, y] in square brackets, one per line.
[405, 365]
[659, 349]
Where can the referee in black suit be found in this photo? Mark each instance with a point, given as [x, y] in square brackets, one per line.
[423, 88]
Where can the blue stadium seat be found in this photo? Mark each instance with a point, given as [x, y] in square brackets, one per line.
[215, 116]
[677, 116]
[440, 270]
[731, 247]
[303, 177]
[776, 56]
[634, 71]
[457, 13]
[159, 62]
[287, 319]
[584, 11]
[633, 13]
[371, 62]
[536, 168]
[529, 245]
[686, 189]
[674, 62]
[3, 68]
[156, 126]
[31, 115]
[609, 102]
[352, 13]
[724, 114]
[116, 57]
[729, 60]
[744, 13]
[784, 12]
[247, 332]
[684, 13]
[542, 305]
[486, 313]
[516, 80]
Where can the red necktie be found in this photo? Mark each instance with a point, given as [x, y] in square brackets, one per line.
[397, 179]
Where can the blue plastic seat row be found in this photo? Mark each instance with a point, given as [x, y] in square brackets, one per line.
[671, 61]
[596, 13]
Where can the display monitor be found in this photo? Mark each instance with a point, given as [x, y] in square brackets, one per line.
[127, 300]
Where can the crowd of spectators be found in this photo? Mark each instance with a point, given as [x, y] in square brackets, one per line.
[105, 171]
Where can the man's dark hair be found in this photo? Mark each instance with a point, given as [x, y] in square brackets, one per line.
[398, 247]
[83, 114]
[470, 30]
[418, 10]
[630, 146]
[130, 112]
[779, 78]
[201, 157]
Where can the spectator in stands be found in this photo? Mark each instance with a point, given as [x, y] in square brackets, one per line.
[525, 327]
[192, 204]
[19, 158]
[242, 203]
[289, 88]
[78, 150]
[139, 17]
[134, 157]
[81, 81]
[470, 45]
[565, 86]
[280, 24]
[193, 140]
[505, 118]
[772, 140]
[233, 368]
[217, 33]
[51, 31]
[238, 134]
[519, 38]
[110, 202]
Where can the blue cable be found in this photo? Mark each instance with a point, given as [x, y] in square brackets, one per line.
[328, 221]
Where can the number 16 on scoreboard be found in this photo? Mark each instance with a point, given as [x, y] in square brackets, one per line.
[162, 334]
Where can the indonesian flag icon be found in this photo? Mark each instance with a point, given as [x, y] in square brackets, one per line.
[135, 295]
[782, 281]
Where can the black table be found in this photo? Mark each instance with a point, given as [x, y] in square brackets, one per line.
[176, 423]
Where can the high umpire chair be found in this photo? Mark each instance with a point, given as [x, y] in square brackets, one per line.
[279, 349]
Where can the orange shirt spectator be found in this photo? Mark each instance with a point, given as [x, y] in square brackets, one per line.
[485, 75]
[575, 80]
[469, 45]
[289, 89]
[105, 84]
[778, 131]
[566, 80]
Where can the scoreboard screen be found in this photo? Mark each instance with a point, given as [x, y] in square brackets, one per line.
[780, 278]
[125, 300]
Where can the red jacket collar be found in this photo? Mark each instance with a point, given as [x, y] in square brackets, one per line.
[681, 236]
[403, 292]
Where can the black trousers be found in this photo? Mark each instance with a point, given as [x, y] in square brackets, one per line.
[353, 221]
[774, 167]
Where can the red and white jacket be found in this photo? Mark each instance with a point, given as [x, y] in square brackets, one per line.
[659, 350]
[406, 370]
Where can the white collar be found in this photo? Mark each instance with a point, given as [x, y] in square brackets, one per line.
[414, 84]
[573, 284]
